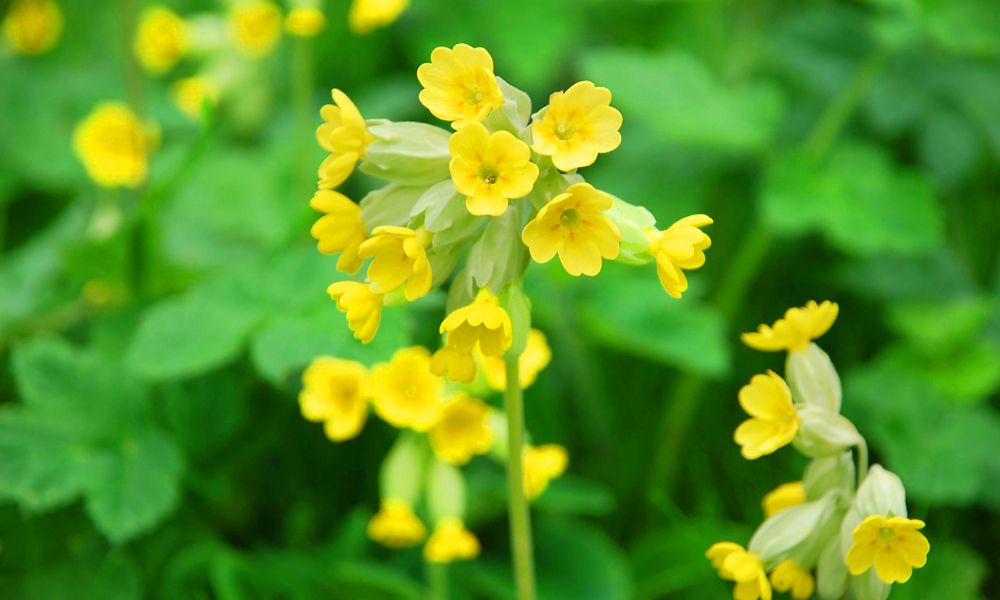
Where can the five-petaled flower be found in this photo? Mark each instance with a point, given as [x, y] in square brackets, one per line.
[362, 304]
[396, 526]
[399, 256]
[774, 421]
[484, 324]
[405, 392]
[681, 246]
[340, 229]
[734, 563]
[490, 169]
[576, 126]
[794, 332]
[335, 393]
[345, 136]
[462, 431]
[459, 85]
[892, 544]
[451, 541]
[789, 576]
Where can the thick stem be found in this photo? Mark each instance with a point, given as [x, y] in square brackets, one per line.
[517, 502]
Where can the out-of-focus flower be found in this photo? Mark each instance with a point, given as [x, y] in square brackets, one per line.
[459, 85]
[462, 431]
[893, 545]
[576, 126]
[305, 21]
[367, 15]
[483, 323]
[399, 256]
[788, 576]
[396, 526]
[405, 392]
[454, 364]
[340, 229]
[681, 246]
[335, 393]
[774, 421]
[344, 135]
[490, 169]
[33, 27]
[784, 496]
[794, 332]
[160, 39]
[362, 305]
[192, 93]
[533, 360]
[451, 541]
[256, 26]
[734, 563]
[541, 465]
[113, 145]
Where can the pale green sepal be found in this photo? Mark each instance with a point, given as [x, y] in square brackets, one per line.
[822, 432]
[868, 586]
[402, 471]
[834, 472]
[513, 114]
[813, 378]
[831, 571]
[550, 184]
[499, 257]
[408, 153]
[390, 205]
[442, 264]
[786, 532]
[461, 292]
[444, 214]
[632, 221]
[445, 491]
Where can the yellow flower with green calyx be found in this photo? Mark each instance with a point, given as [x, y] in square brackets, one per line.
[305, 21]
[892, 544]
[774, 421]
[344, 135]
[160, 39]
[734, 563]
[340, 229]
[113, 145]
[451, 541]
[795, 330]
[462, 431]
[459, 85]
[335, 393]
[256, 26]
[541, 465]
[362, 304]
[483, 324]
[681, 246]
[405, 392]
[191, 93]
[490, 169]
[573, 226]
[33, 27]
[396, 526]
[399, 256]
[784, 496]
[788, 576]
[533, 360]
[368, 15]
[576, 126]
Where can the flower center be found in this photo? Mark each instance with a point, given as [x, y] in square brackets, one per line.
[489, 174]
[474, 95]
[564, 130]
[569, 218]
[887, 535]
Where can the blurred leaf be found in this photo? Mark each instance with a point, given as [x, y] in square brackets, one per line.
[578, 561]
[572, 495]
[902, 279]
[206, 413]
[966, 26]
[954, 572]
[941, 326]
[116, 578]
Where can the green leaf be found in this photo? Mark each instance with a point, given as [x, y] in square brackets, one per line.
[579, 561]
[572, 495]
[206, 413]
[965, 26]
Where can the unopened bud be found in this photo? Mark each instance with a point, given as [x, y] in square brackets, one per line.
[834, 472]
[813, 379]
[822, 432]
[403, 469]
[390, 205]
[409, 153]
[633, 222]
[445, 492]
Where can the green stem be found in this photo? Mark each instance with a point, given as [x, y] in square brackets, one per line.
[861, 456]
[517, 502]
[130, 69]
[437, 579]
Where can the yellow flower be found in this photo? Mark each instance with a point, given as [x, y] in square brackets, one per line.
[335, 392]
[462, 430]
[112, 144]
[794, 332]
[894, 545]
[483, 322]
[536, 356]
[451, 541]
[33, 27]
[191, 93]
[459, 85]
[367, 15]
[789, 576]
[572, 225]
[160, 39]
[344, 135]
[405, 392]
[542, 464]
[745, 568]
[305, 21]
[490, 169]
[340, 229]
[454, 364]
[396, 526]
[576, 126]
[362, 305]
[680, 246]
[784, 496]
[256, 26]
[399, 256]
[773, 421]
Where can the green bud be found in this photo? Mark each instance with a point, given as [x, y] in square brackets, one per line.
[822, 432]
[445, 215]
[499, 257]
[831, 571]
[409, 153]
[632, 221]
[390, 205]
[445, 491]
[517, 306]
[402, 469]
[513, 114]
[813, 378]
[834, 472]
[797, 532]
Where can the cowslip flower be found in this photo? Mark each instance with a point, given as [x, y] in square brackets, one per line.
[405, 392]
[892, 544]
[256, 26]
[788, 576]
[344, 135]
[340, 229]
[490, 169]
[483, 323]
[573, 226]
[541, 465]
[305, 21]
[533, 360]
[784, 496]
[335, 393]
[451, 541]
[459, 85]
[774, 421]
[796, 329]
[396, 526]
[33, 27]
[160, 39]
[113, 146]
[462, 431]
[576, 126]
[190, 94]
[367, 15]
[362, 304]
[681, 246]
[399, 256]
[734, 563]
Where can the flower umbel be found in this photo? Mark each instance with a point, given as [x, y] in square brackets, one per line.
[576, 126]
[33, 27]
[462, 431]
[542, 464]
[892, 544]
[256, 26]
[490, 169]
[345, 136]
[335, 393]
[160, 39]
[795, 330]
[773, 421]
[405, 392]
[362, 304]
[681, 246]
[368, 15]
[451, 541]
[112, 145]
[788, 576]
[784, 496]
[396, 526]
[459, 85]
[399, 256]
[533, 360]
[340, 229]
[734, 563]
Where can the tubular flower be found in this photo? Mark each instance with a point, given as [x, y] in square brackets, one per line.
[368, 15]
[789, 576]
[160, 40]
[459, 85]
[784, 496]
[396, 526]
[542, 464]
[344, 135]
[335, 392]
[305, 21]
[33, 27]
[773, 421]
[405, 392]
[894, 545]
[490, 169]
[256, 26]
[363, 307]
[112, 145]
[576, 126]
[794, 332]
[681, 246]
[483, 322]
[733, 563]
[454, 364]
[399, 257]
[462, 430]
[191, 93]
[572, 225]
[451, 541]
[340, 229]
[533, 360]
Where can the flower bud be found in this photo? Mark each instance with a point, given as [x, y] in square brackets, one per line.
[813, 378]
[498, 257]
[390, 205]
[403, 469]
[633, 222]
[798, 532]
[829, 473]
[409, 153]
[831, 571]
[822, 432]
[445, 491]
[513, 114]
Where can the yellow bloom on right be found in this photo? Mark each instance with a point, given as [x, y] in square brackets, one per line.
[795, 330]
[893, 545]
[679, 247]
[576, 126]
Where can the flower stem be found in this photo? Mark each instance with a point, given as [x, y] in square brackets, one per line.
[303, 79]
[517, 502]
[437, 579]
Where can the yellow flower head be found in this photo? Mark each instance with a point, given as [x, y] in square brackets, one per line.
[576, 126]
[33, 27]
[305, 21]
[794, 332]
[451, 541]
[113, 145]
[454, 364]
[405, 392]
[490, 169]
[894, 545]
[542, 464]
[396, 526]
[367, 15]
[399, 257]
[573, 225]
[335, 392]
[784, 496]
[160, 39]
[789, 576]
[680, 246]
[483, 322]
[344, 135]
[191, 93]
[340, 229]
[256, 26]
[745, 568]
[363, 307]
[459, 85]
[533, 360]
[774, 421]
[462, 431]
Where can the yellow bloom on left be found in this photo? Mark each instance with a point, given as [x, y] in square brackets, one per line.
[362, 304]
[256, 26]
[191, 93]
[396, 526]
[681, 246]
[33, 27]
[784, 496]
[399, 257]
[788, 576]
[451, 541]
[340, 229]
[368, 15]
[405, 392]
[462, 431]
[459, 85]
[894, 545]
[490, 169]
[774, 421]
[533, 360]
[305, 21]
[541, 465]
[344, 135]
[160, 39]
[335, 393]
[576, 126]
[734, 563]
[796, 329]
[113, 146]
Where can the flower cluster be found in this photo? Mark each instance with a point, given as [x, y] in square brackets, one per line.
[845, 523]
[32, 27]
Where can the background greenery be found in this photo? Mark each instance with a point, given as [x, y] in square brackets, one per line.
[151, 444]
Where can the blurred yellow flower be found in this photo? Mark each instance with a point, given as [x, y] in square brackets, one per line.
[733, 563]
[784, 496]
[305, 21]
[774, 421]
[542, 464]
[399, 256]
[33, 27]
[362, 305]
[459, 85]
[451, 541]
[335, 392]
[160, 39]
[340, 229]
[113, 146]
[788, 576]
[454, 364]
[367, 15]
[483, 322]
[533, 360]
[396, 526]
[490, 169]
[680, 246]
[256, 26]
[573, 225]
[794, 332]
[192, 93]
[344, 135]
[405, 392]
[462, 431]
[576, 126]
[893, 545]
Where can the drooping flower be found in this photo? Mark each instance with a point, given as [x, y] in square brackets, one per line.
[191, 93]
[462, 431]
[305, 21]
[774, 421]
[533, 360]
[573, 225]
[345, 136]
[368, 15]
[784, 496]
[451, 541]
[405, 392]
[160, 39]
[576, 126]
[399, 256]
[788, 576]
[459, 85]
[541, 465]
[362, 304]
[490, 169]
[483, 323]
[796, 329]
[681, 246]
[335, 392]
[454, 364]
[256, 26]
[340, 229]
[396, 526]
[893, 545]
[113, 146]
[734, 563]
[33, 27]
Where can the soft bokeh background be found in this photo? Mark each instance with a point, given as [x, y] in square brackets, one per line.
[847, 151]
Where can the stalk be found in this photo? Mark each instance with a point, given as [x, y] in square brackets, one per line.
[517, 502]
[437, 577]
